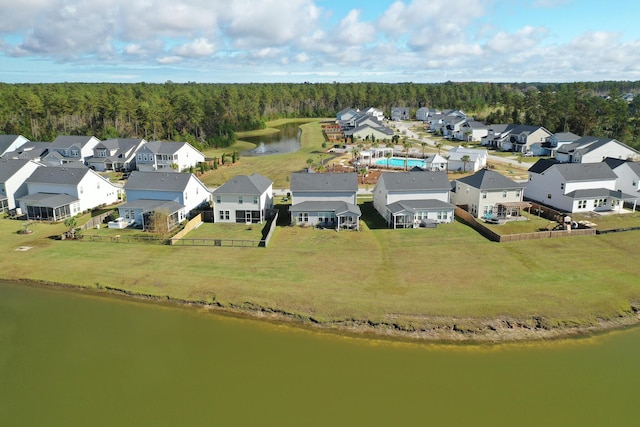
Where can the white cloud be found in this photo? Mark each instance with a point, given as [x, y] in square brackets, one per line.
[165, 60]
[196, 48]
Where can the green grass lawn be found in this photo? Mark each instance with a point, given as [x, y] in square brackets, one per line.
[408, 277]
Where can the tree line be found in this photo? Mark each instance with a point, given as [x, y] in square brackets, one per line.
[210, 114]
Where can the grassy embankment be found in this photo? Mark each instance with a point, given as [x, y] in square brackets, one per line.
[402, 279]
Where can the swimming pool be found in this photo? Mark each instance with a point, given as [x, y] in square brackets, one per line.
[398, 162]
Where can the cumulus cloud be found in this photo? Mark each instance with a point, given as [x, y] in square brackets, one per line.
[196, 48]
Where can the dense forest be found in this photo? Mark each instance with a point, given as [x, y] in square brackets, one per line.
[210, 114]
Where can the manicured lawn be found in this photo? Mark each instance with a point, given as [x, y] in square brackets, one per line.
[227, 231]
[408, 277]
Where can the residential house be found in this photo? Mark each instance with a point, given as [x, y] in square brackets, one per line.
[424, 113]
[243, 199]
[413, 199]
[175, 194]
[29, 151]
[513, 137]
[452, 125]
[628, 174]
[436, 121]
[575, 187]
[55, 193]
[435, 162]
[325, 200]
[370, 133]
[467, 159]
[591, 149]
[70, 149]
[13, 174]
[9, 143]
[377, 114]
[550, 146]
[471, 130]
[400, 113]
[116, 154]
[165, 156]
[347, 114]
[489, 195]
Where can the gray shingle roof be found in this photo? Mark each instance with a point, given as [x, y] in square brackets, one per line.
[9, 167]
[242, 184]
[159, 181]
[418, 205]
[164, 147]
[49, 200]
[415, 180]
[592, 193]
[66, 141]
[486, 179]
[148, 205]
[58, 175]
[340, 208]
[324, 182]
[585, 171]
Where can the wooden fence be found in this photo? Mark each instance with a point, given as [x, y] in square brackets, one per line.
[470, 220]
[192, 224]
[96, 220]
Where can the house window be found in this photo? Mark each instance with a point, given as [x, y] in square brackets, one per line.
[518, 193]
[582, 204]
[75, 153]
[484, 194]
[504, 193]
[548, 195]
[240, 200]
[218, 198]
[81, 190]
[442, 215]
[224, 215]
[255, 200]
[562, 185]
[598, 203]
[140, 157]
[303, 217]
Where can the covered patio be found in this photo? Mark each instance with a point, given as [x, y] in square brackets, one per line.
[49, 206]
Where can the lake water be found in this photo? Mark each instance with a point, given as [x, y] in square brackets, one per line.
[68, 358]
[287, 140]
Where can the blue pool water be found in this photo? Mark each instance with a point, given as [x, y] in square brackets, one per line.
[398, 162]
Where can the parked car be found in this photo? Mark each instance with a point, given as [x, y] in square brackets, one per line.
[528, 154]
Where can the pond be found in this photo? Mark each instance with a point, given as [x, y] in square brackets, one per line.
[287, 140]
[75, 358]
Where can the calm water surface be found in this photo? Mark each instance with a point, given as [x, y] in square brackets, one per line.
[285, 141]
[70, 359]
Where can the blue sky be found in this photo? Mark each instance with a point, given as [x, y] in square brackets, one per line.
[238, 41]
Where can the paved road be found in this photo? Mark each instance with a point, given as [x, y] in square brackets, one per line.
[405, 127]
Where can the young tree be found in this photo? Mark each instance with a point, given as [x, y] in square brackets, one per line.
[388, 155]
[465, 159]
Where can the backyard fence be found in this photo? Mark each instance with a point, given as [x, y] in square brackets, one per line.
[470, 220]
[96, 220]
[192, 224]
[123, 238]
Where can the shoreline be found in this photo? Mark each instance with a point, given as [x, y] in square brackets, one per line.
[442, 330]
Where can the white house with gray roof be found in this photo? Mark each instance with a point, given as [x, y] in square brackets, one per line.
[243, 199]
[9, 143]
[628, 174]
[591, 149]
[413, 199]
[325, 200]
[68, 149]
[167, 156]
[471, 130]
[55, 193]
[177, 194]
[488, 194]
[575, 187]
[515, 137]
[13, 174]
[116, 154]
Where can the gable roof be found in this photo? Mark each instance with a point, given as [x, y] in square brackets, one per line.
[242, 184]
[9, 167]
[58, 175]
[158, 181]
[542, 165]
[165, 147]
[585, 171]
[7, 140]
[415, 180]
[323, 182]
[66, 141]
[587, 144]
[486, 179]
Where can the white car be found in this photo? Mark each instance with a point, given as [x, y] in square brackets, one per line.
[528, 154]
